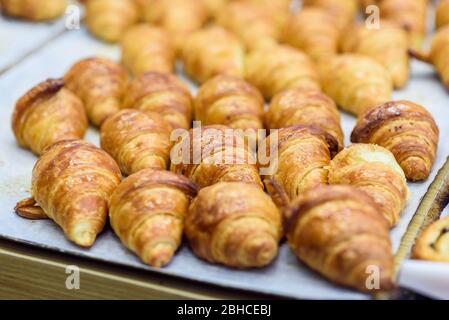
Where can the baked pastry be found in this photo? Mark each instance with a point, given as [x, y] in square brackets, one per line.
[356, 82]
[305, 107]
[235, 224]
[387, 45]
[407, 130]
[146, 48]
[212, 154]
[210, 52]
[34, 10]
[108, 20]
[46, 114]
[279, 68]
[374, 170]
[313, 31]
[100, 84]
[302, 156]
[164, 94]
[136, 140]
[339, 232]
[230, 101]
[433, 243]
[442, 14]
[343, 12]
[147, 212]
[72, 183]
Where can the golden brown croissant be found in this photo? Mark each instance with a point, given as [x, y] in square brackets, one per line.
[374, 170]
[34, 10]
[305, 107]
[147, 213]
[108, 20]
[232, 102]
[407, 130]
[101, 84]
[339, 232]
[235, 224]
[438, 54]
[343, 12]
[387, 45]
[213, 154]
[355, 82]
[72, 183]
[433, 243]
[442, 13]
[46, 114]
[279, 68]
[303, 155]
[146, 48]
[313, 31]
[164, 94]
[136, 140]
[210, 52]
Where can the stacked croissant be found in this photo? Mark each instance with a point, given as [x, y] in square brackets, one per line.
[211, 184]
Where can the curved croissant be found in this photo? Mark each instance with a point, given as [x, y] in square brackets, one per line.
[212, 154]
[146, 48]
[108, 20]
[442, 14]
[313, 31]
[305, 107]
[101, 84]
[343, 12]
[72, 183]
[232, 102]
[303, 155]
[164, 94]
[407, 130]
[279, 68]
[136, 140]
[46, 114]
[372, 169]
[433, 243]
[338, 231]
[235, 224]
[147, 212]
[210, 52]
[387, 45]
[355, 82]
[34, 10]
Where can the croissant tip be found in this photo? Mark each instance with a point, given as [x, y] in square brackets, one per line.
[84, 238]
[415, 169]
[261, 251]
[159, 255]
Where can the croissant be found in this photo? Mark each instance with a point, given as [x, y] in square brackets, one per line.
[279, 68]
[147, 212]
[46, 114]
[146, 48]
[407, 130]
[374, 170]
[387, 45]
[355, 82]
[235, 224]
[433, 244]
[101, 84]
[161, 93]
[338, 232]
[313, 31]
[34, 10]
[232, 102]
[108, 20]
[136, 140]
[343, 12]
[438, 54]
[305, 107]
[210, 52]
[72, 182]
[303, 155]
[212, 154]
[442, 14]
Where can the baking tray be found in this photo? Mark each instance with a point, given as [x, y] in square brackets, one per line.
[286, 277]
